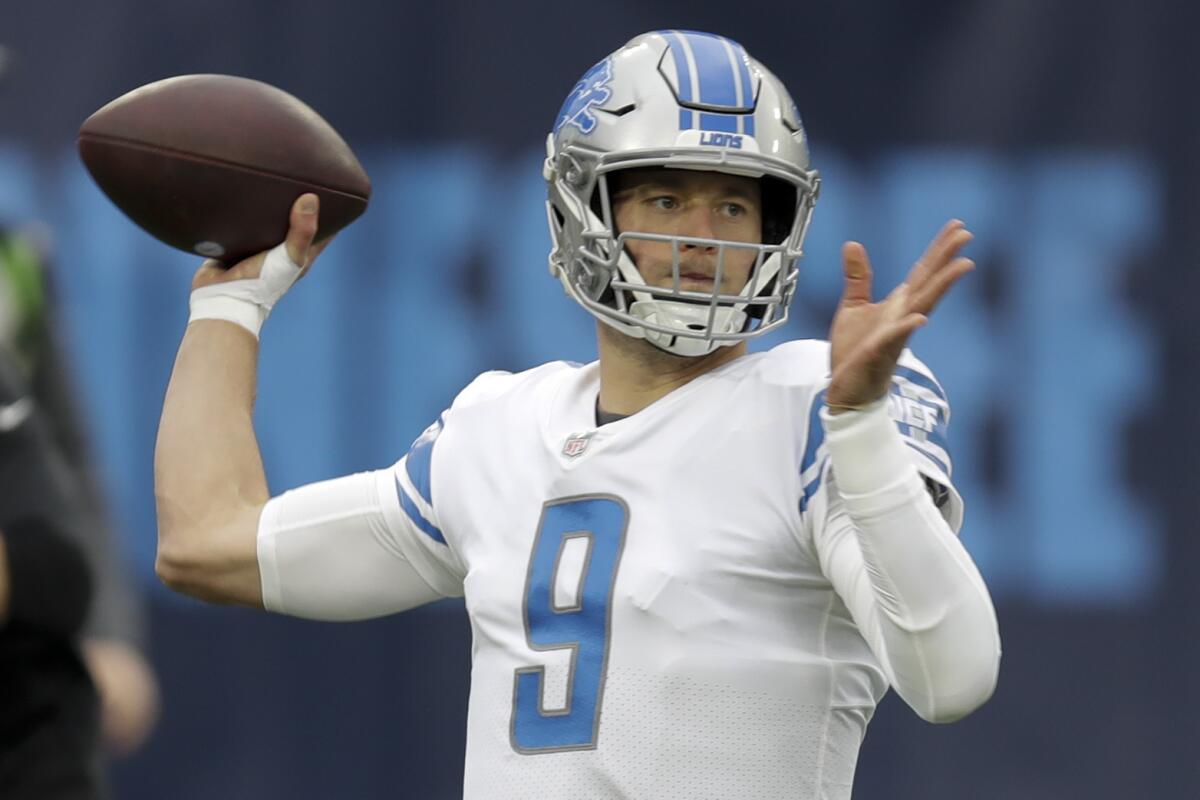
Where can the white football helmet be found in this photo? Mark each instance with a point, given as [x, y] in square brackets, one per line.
[680, 100]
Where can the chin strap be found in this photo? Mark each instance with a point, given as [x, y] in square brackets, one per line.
[687, 315]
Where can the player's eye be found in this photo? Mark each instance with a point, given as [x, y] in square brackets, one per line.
[664, 202]
[732, 209]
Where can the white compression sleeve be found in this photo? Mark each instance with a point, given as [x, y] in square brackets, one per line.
[907, 580]
[325, 551]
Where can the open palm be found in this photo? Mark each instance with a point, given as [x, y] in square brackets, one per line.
[867, 337]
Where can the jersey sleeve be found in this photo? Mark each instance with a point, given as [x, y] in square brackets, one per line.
[891, 554]
[918, 405]
[412, 509]
[373, 543]
[915, 595]
[338, 550]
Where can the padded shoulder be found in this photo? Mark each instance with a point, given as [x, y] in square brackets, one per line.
[797, 364]
[495, 384]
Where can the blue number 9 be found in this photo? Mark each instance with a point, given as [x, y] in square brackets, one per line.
[582, 627]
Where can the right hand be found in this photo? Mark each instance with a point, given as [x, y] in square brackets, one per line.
[302, 227]
[868, 336]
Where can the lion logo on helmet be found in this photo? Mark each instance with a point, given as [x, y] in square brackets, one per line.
[592, 90]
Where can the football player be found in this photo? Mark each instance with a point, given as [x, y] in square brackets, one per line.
[690, 571]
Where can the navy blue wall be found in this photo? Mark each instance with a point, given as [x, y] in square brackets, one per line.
[1061, 132]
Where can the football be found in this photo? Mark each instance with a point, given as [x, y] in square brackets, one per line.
[211, 164]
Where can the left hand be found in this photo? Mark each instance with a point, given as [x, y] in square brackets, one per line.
[866, 338]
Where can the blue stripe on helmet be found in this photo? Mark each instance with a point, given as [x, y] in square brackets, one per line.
[682, 73]
[739, 53]
[717, 79]
[719, 122]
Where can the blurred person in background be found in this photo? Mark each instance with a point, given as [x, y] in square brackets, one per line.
[114, 635]
[49, 712]
[691, 571]
[53, 474]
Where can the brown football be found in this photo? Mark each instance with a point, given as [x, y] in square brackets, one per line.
[211, 164]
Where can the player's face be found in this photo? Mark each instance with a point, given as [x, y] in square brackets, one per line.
[705, 205]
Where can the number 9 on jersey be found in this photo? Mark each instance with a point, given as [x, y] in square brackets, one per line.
[588, 532]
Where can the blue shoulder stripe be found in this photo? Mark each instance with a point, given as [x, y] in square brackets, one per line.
[414, 514]
[914, 437]
[937, 462]
[816, 438]
[937, 436]
[812, 487]
[929, 427]
[921, 379]
[921, 420]
[816, 432]
[420, 458]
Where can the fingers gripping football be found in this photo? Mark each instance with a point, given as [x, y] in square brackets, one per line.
[246, 293]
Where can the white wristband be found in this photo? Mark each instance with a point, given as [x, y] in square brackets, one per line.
[249, 301]
[869, 457]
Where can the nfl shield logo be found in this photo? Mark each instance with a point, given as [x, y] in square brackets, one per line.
[576, 443]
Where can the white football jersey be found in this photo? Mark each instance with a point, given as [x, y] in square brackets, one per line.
[650, 612]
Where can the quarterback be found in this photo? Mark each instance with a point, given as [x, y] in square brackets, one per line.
[691, 572]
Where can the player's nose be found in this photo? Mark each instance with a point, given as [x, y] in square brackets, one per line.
[698, 223]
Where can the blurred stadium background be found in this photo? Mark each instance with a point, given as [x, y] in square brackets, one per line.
[1065, 133]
